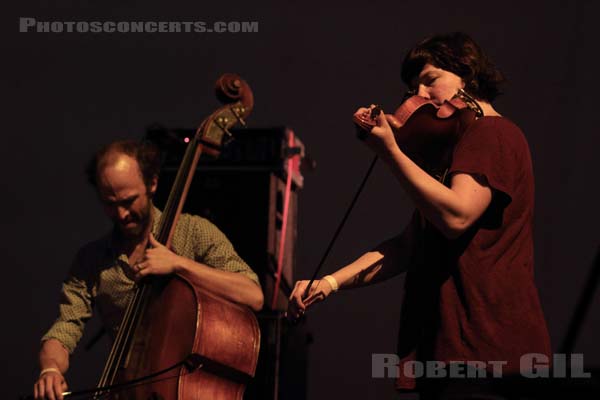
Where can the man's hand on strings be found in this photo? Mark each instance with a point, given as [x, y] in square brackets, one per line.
[158, 260]
[297, 306]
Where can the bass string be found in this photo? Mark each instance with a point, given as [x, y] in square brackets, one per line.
[118, 347]
[178, 187]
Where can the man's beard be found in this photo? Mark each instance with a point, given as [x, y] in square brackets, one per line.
[142, 221]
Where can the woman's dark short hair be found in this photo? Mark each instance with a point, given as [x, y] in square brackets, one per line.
[145, 153]
[458, 53]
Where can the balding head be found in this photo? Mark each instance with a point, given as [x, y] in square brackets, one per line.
[144, 154]
[116, 171]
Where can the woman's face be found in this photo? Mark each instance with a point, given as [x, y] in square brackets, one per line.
[437, 84]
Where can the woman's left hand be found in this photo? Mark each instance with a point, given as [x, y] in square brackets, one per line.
[381, 137]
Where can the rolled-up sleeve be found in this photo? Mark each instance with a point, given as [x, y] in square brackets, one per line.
[214, 249]
[75, 308]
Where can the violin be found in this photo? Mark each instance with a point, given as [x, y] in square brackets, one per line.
[426, 133]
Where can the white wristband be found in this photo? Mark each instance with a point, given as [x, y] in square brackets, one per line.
[46, 370]
[332, 282]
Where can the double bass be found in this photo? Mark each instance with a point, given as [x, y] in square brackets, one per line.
[177, 342]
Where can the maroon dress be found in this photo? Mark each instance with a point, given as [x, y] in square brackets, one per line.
[474, 298]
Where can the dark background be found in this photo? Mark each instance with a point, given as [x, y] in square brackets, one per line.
[310, 65]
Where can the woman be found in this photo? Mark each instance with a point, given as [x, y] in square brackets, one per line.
[468, 250]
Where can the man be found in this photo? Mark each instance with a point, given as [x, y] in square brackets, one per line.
[125, 175]
[468, 251]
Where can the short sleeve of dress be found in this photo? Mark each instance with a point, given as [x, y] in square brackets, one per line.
[490, 147]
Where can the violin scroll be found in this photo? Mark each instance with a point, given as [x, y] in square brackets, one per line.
[365, 121]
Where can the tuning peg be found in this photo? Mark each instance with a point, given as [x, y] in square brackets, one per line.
[238, 112]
